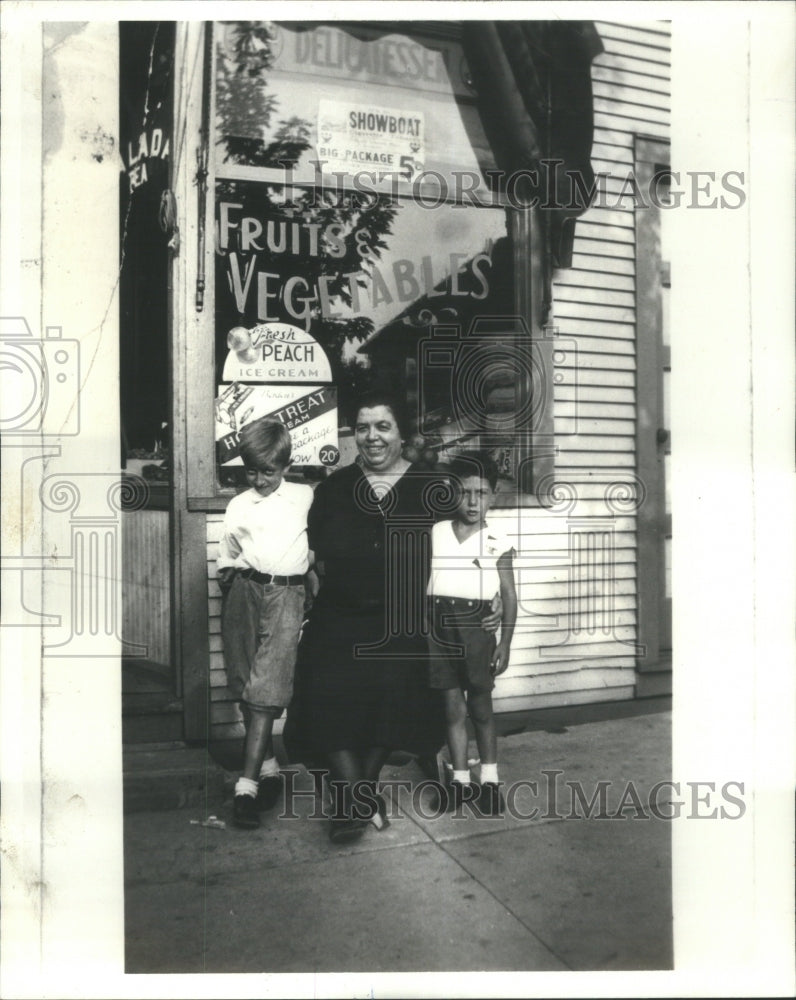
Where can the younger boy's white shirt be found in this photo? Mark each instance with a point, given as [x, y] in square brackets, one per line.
[268, 534]
[466, 569]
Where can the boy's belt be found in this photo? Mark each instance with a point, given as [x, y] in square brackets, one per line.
[280, 581]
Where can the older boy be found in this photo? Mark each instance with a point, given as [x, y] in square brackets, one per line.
[470, 562]
[262, 562]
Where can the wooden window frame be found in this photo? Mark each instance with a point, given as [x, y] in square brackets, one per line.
[197, 393]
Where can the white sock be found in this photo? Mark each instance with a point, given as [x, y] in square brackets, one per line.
[462, 777]
[269, 768]
[489, 774]
[245, 786]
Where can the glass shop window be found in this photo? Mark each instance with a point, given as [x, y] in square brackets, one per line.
[341, 223]
[146, 59]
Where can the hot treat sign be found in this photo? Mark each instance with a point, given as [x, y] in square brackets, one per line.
[292, 363]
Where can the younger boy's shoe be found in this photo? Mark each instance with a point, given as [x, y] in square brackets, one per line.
[245, 813]
[268, 790]
[459, 795]
[490, 799]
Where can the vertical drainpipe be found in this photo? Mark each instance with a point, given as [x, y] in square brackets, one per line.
[547, 269]
[201, 173]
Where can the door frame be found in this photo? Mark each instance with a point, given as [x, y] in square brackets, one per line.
[653, 524]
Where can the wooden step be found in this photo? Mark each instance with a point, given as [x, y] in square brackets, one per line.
[172, 775]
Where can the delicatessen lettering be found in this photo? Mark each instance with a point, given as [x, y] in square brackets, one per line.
[330, 48]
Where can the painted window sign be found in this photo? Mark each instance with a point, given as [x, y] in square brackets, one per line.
[150, 144]
[368, 55]
[274, 352]
[300, 270]
[319, 255]
[291, 95]
[146, 103]
[368, 275]
[352, 136]
[308, 412]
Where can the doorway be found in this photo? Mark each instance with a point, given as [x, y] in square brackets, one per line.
[653, 437]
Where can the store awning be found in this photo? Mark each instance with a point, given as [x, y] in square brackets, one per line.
[535, 79]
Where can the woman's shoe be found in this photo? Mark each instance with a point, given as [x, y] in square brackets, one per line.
[379, 819]
[346, 831]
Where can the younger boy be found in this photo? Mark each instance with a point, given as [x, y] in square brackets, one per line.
[262, 561]
[470, 561]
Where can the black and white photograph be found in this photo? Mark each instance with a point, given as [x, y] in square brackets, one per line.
[397, 475]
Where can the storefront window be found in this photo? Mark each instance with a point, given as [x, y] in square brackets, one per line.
[146, 108]
[343, 98]
[341, 239]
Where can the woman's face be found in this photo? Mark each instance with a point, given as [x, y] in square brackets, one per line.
[378, 437]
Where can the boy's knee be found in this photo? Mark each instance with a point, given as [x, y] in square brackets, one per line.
[480, 708]
[455, 708]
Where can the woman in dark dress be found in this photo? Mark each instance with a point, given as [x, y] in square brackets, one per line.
[361, 680]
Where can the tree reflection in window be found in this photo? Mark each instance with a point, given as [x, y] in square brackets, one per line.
[349, 267]
[324, 243]
[244, 105]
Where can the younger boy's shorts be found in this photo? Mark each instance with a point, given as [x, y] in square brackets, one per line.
[260, 625]
[461, 651]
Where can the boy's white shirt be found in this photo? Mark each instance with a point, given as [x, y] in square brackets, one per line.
[267, 534]
[466, 569]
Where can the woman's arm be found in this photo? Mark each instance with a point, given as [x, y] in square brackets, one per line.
[508, 594]
[313, 579]
[228, 551]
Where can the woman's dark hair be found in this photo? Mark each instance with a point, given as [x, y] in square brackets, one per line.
[384, 397]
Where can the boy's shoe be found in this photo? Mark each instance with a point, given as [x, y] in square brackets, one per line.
[245, 813]
[490, 799]
[459, 795]
[268, 790]
[451, 797]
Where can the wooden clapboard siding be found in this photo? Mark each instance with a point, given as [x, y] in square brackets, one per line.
[225, 717]
[653, 32]
[584, 277]
[575, 630]
[146, 608]
[632, 94]
[561, 654]
[565, 699]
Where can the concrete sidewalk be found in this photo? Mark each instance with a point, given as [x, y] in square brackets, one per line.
[541, 890]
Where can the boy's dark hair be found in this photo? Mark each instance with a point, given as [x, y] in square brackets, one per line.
[264, 441]
[386, 396]
[474, 463]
